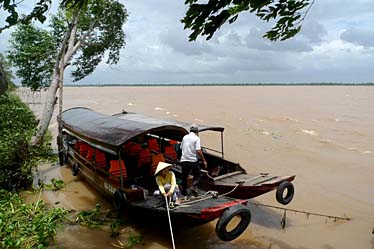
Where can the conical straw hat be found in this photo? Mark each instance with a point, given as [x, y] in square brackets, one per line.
[161, 166]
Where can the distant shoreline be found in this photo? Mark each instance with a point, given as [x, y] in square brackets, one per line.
[225, 84]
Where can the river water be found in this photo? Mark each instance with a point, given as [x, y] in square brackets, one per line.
[323, 134]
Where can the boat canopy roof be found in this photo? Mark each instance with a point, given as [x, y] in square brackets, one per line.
[112, 132]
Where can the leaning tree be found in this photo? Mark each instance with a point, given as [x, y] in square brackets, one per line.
[80, 36]
[203, 18]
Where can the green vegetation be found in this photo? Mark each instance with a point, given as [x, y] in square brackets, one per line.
[17, 158]
[134, 239]
[6, 66]
[91, 218]
[26, 225]
[204, 18]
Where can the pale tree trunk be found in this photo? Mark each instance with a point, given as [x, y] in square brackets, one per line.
[48, 109]
[3, 80]
[67, 50]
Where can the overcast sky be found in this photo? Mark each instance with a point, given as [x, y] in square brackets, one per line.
[336, 44]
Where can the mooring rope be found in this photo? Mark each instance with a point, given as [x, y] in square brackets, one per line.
[171, 228]
[224, 194]
[283, 221]
[213, 194]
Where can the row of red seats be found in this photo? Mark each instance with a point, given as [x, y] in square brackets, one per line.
[90, 153]
[145, 156]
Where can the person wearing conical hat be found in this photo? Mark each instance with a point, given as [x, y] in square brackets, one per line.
[166, 182]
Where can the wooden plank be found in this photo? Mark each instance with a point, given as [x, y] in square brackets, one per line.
[227, 175]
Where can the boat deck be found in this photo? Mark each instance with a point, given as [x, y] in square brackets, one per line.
[192, 206]
[243, 179]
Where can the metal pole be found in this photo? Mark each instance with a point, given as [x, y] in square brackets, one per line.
[120, 168]
[222, 145]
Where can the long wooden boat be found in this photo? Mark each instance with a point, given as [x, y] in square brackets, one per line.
[224, 176]
[118, 155]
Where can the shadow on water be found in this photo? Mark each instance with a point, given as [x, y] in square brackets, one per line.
[267, 217]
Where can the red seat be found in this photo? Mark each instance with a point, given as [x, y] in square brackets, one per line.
[90, 154]
[132, 149]
[172, 142]
[115, 168]
[155, 160]
[170, 152]
[83, 149]
[144, 157]
[100, 160]
[77, 145]
[153, 145]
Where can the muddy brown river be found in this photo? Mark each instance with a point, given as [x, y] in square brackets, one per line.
[323, 134]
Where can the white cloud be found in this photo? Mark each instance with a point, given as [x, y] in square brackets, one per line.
[335, 45]
[359, 36]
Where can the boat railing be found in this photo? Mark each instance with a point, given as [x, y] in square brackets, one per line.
[213, 150]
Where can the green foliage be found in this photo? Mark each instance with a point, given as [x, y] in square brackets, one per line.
[26, 226]
[134, 239]
[56, 184]
[34, 52]
[91, 218]
[17, 159]
[74, 4]
[99, 34]
[8, 72]
[102, 22]
[13, 17]
[204, 19]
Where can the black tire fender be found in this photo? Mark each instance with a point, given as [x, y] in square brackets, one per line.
[227, 216]
[285, 186]
[118, 200]
[75, 169]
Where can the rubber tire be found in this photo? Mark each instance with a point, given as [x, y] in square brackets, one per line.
[75, 169]
[118, 200]
[227, 216]
[280, 192]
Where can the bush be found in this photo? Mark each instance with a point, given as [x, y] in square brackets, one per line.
[17, 159]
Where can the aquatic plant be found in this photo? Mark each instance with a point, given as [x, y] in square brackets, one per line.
[134, 239]
[91, 218]
[56, 184]
[27, 225]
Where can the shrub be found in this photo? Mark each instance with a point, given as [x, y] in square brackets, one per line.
[17, 159]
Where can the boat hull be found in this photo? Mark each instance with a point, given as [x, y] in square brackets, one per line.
[242, 190]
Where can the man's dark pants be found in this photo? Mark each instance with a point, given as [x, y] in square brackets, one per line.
[187, 167]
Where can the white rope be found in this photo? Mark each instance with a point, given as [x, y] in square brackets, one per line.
[171, 228]
[212, 195]
[230, 191]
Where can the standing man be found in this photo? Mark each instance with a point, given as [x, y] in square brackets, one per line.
[191, 152]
